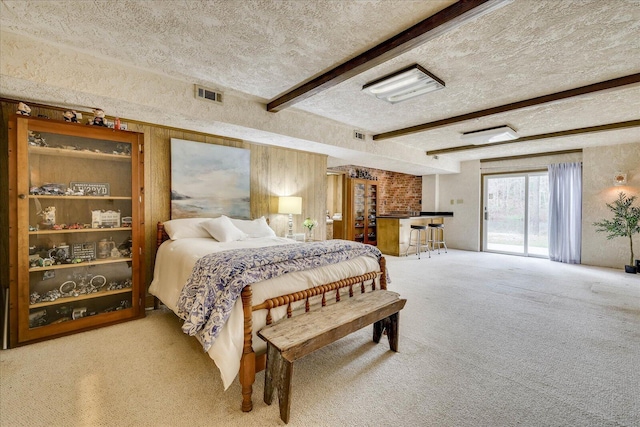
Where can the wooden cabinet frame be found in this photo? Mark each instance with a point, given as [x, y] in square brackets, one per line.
[19, 221]
[362, 208]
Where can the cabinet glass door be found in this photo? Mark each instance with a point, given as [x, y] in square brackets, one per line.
[76, 201]
[372, 206]
[359, 207]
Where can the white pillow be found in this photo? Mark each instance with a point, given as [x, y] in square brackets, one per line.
[185, 227]
[256, 228]
[223, 230]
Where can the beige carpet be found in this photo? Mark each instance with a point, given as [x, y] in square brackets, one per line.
[485, 340]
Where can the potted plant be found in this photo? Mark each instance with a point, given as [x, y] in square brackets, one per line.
[625, 223]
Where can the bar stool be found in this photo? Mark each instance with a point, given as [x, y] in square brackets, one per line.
[418, 244]
[436, 236]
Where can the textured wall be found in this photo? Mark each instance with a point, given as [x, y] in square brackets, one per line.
[599, 166]
[463, 230]
[400, 192]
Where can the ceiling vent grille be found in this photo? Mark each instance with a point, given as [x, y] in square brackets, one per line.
[208, 94]
[359, 135]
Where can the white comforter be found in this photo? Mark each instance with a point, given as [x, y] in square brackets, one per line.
[175, 260]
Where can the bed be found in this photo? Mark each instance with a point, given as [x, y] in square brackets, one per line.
[184, 245]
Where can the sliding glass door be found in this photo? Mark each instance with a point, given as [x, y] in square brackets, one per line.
[515, 213]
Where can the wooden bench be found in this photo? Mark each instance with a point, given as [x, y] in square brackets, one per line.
[293, 338]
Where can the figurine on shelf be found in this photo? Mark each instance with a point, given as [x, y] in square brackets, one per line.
[70, 116]
[98, 118]
[48, 215]
[38, 318]
[23, 109]
[123, 149]
[36, 139]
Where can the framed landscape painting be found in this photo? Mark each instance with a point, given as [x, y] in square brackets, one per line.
[209, 180]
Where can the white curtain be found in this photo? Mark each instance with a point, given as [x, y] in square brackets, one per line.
[565, 212]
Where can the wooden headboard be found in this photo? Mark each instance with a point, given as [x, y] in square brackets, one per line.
[161, 235]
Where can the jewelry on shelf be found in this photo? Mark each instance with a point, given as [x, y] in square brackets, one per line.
[100, 277]
[67, 287]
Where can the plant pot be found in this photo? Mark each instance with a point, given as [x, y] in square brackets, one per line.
[630, 269]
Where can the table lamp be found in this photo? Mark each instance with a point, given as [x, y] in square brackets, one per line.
[290, 205]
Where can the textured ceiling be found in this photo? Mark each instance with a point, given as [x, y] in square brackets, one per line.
[261, 49]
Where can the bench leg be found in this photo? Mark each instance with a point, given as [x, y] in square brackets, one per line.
[392, 330]
[378, 328]
[278, 375]
[390, 324]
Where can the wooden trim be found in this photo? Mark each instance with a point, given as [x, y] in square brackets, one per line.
[570, 132]
[514, 172]
[528, 156]
[583, 90]
[425, 30]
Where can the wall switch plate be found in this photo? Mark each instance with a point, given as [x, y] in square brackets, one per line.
[452, 201]
[460, 201]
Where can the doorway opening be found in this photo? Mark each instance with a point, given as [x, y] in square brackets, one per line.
[516, 213]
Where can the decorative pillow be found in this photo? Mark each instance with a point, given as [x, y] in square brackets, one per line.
[223, 230]
[185, 227]
[256, 228]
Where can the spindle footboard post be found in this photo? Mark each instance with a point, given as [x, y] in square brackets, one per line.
[248, 361]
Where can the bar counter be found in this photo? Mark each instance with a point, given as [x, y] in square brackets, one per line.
[394, 230]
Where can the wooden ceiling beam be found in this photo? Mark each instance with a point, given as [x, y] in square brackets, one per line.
[570, 132]
[558, 96]
[529, 156]
[431, 27]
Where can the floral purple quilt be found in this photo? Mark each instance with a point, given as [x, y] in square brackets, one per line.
[217, 279]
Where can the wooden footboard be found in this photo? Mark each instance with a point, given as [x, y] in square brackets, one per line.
[250, 363]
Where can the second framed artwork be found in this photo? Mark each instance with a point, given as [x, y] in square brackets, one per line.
[209, 180]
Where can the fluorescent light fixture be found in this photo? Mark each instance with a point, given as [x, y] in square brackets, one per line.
[404, 84]
[290, 205]
[488, 136]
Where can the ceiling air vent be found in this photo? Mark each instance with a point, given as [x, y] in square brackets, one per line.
[208, 94]
[359, 135]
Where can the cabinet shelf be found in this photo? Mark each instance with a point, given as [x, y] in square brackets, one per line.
[81, 264]
[79, 154]
[67, 300]
[79, 230]
[52, 196]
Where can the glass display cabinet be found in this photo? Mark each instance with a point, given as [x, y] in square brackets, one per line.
[76, 227]
[363, 207]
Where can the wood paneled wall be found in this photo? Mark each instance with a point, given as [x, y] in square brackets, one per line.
[274, 172]
[335, 197]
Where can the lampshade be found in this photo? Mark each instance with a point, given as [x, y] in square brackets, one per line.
[404, 84]
[487, 136]
[290, 205]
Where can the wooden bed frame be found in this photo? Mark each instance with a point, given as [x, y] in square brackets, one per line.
[251, 363]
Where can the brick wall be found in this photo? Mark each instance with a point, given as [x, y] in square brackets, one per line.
[396, 191]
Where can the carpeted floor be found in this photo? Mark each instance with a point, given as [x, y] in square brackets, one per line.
[485, 340]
